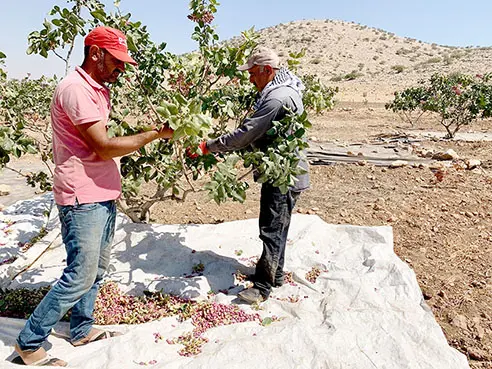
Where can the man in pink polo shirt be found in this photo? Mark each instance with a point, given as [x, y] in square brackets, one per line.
[86, 184]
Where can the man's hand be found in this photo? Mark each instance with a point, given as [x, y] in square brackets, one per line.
[203, 148]
[164, 131]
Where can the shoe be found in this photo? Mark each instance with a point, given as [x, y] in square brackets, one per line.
[279, 282]
[36, 358]
[252, 295]
[95, 335]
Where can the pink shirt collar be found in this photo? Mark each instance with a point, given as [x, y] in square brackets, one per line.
[89, 79]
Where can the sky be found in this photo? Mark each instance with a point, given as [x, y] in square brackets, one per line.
[445, 22]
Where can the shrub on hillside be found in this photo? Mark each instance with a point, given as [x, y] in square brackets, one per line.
[398, 68]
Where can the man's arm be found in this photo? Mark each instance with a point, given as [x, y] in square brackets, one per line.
[107, 148]
[251, 130]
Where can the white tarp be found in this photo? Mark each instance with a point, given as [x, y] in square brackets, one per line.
[365, 311]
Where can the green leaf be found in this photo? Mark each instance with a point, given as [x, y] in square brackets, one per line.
[300, 132]
[175, 122]
[179, 132]
[180, 99]
[172, 108]
[99, 14]
[7, 144]
[189, 131]
[164, 111]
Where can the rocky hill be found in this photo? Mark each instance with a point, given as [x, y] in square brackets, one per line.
[369, 64]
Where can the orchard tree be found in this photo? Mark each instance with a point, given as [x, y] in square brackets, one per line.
[24, 128]
[200, 95]
[457, 99]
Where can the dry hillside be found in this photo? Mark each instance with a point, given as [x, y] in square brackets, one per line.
[369, 64]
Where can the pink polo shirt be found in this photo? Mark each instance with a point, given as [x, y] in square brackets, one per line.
[80, 173]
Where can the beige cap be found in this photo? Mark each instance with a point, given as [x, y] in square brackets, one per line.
[261, 56]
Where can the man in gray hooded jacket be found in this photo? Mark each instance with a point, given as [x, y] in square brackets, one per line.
[279, 91]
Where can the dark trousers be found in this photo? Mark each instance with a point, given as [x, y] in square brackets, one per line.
[275, 213]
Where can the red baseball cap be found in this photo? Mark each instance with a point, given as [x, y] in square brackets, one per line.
[112, 40]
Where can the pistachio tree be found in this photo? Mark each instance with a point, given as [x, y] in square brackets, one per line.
[24, 111]
[456, 99]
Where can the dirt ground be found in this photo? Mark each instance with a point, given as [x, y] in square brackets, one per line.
[441, 228]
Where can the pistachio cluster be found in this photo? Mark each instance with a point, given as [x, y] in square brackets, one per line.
[114, 307]
[288, 279]
[209, 315]
[313, 274]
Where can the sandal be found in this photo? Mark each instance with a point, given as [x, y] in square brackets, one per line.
[46, 360]
[99, 335]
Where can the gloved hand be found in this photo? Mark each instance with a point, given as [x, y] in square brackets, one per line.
[203, 148]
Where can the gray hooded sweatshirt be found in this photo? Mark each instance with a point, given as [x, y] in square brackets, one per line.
[253, 131]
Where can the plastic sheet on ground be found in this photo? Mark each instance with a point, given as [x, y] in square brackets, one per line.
[365, 310]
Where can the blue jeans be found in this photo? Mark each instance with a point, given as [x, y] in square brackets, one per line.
[87, 232]
[275, 213]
